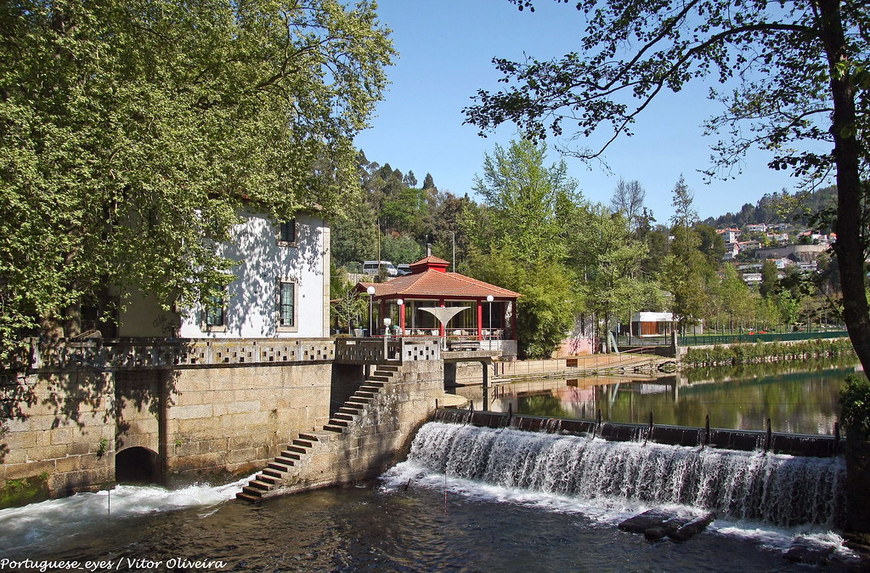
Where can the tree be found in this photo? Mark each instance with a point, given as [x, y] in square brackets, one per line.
[609, 261]
[516, 240]
[428, 182]
[769, 278]
[523, 193]
[735, 298]
[796, 73]
[133, 133]
[628, 199]
[687, 271]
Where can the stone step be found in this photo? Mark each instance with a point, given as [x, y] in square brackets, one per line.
[309, 437]
[273, 473]
[261, 485]
[253, 491]
[285, 461]
[332, 428]
[370, 384]
[368, 395]
[352, 408]
[377, 378]
[363, 400]
[248, 497]
[303, 443]
[297, 449]
[266, 478]
[340, 423]
[280, 467]
[388, 367]
[344, 416]
[369, 388]
[288, 455]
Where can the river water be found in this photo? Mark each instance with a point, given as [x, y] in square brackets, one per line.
[420, 516]
[410, 520]
[800, 399]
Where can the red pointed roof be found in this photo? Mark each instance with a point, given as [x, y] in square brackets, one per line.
[434, 284]
[429, 263]
[429, 279]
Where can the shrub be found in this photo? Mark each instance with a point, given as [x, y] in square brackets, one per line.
[855, 407]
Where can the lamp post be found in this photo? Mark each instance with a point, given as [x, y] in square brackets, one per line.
[489, 299]
[371, 291]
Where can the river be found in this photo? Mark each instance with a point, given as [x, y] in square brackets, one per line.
[416, 517]
[802, 399]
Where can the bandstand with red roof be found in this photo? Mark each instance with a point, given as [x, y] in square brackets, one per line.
[490, 312]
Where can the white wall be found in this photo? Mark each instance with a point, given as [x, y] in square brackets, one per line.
[252, 298]
[252, 305]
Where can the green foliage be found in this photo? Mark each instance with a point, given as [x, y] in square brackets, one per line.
[734, 354]
[855, 407]
[609, 258]
[793, 77]
[102, 447]
[134, 133]
[517, 241]
[522, 196]
[348, 311]
[400, 249]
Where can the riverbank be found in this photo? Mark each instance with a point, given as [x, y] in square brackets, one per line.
[762, 352]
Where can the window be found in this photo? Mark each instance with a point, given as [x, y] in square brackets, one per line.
[214, 315]
[287, 232]
[286, 304]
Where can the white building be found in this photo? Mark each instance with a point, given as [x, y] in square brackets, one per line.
[729, 235]
[281, 288]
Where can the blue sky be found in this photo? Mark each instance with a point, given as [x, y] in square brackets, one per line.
[445, 51]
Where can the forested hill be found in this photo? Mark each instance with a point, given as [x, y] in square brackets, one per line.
[779, 208]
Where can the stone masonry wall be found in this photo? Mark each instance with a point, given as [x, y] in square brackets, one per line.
[234, 419]
[379, 437]
[59, 431]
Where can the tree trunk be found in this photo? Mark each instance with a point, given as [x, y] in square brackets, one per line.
[849, 245]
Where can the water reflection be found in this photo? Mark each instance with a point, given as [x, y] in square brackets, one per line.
[797, 398]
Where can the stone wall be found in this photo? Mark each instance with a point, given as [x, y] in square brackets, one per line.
[235, 419]
[379, 437]
[60, 431]
[63, 428]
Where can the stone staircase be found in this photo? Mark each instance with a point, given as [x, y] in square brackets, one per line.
[295, 454]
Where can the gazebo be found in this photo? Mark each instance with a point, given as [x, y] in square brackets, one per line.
[489, 311]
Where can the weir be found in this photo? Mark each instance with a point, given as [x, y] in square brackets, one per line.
[780, 489]
[744, 440]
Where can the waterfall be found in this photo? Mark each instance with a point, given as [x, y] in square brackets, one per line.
[780, 489]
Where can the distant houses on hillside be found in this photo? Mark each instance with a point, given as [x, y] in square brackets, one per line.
[772, 242]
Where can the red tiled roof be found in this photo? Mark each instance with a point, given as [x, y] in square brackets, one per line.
[434, 284]
[428, 263]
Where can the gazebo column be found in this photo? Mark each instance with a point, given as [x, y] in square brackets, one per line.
[479, 320]
[382, 312]
[402, 319]
[442, 332]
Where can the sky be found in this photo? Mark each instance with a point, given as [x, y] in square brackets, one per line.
[445, 55]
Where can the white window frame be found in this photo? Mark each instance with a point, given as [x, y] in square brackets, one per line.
[279, 304]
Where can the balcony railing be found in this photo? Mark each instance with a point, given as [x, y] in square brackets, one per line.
[122, 354]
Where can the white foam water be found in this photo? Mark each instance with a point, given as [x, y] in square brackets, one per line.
[81, 513]
[770, 499]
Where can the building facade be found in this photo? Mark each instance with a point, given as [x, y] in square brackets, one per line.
[280, 289]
